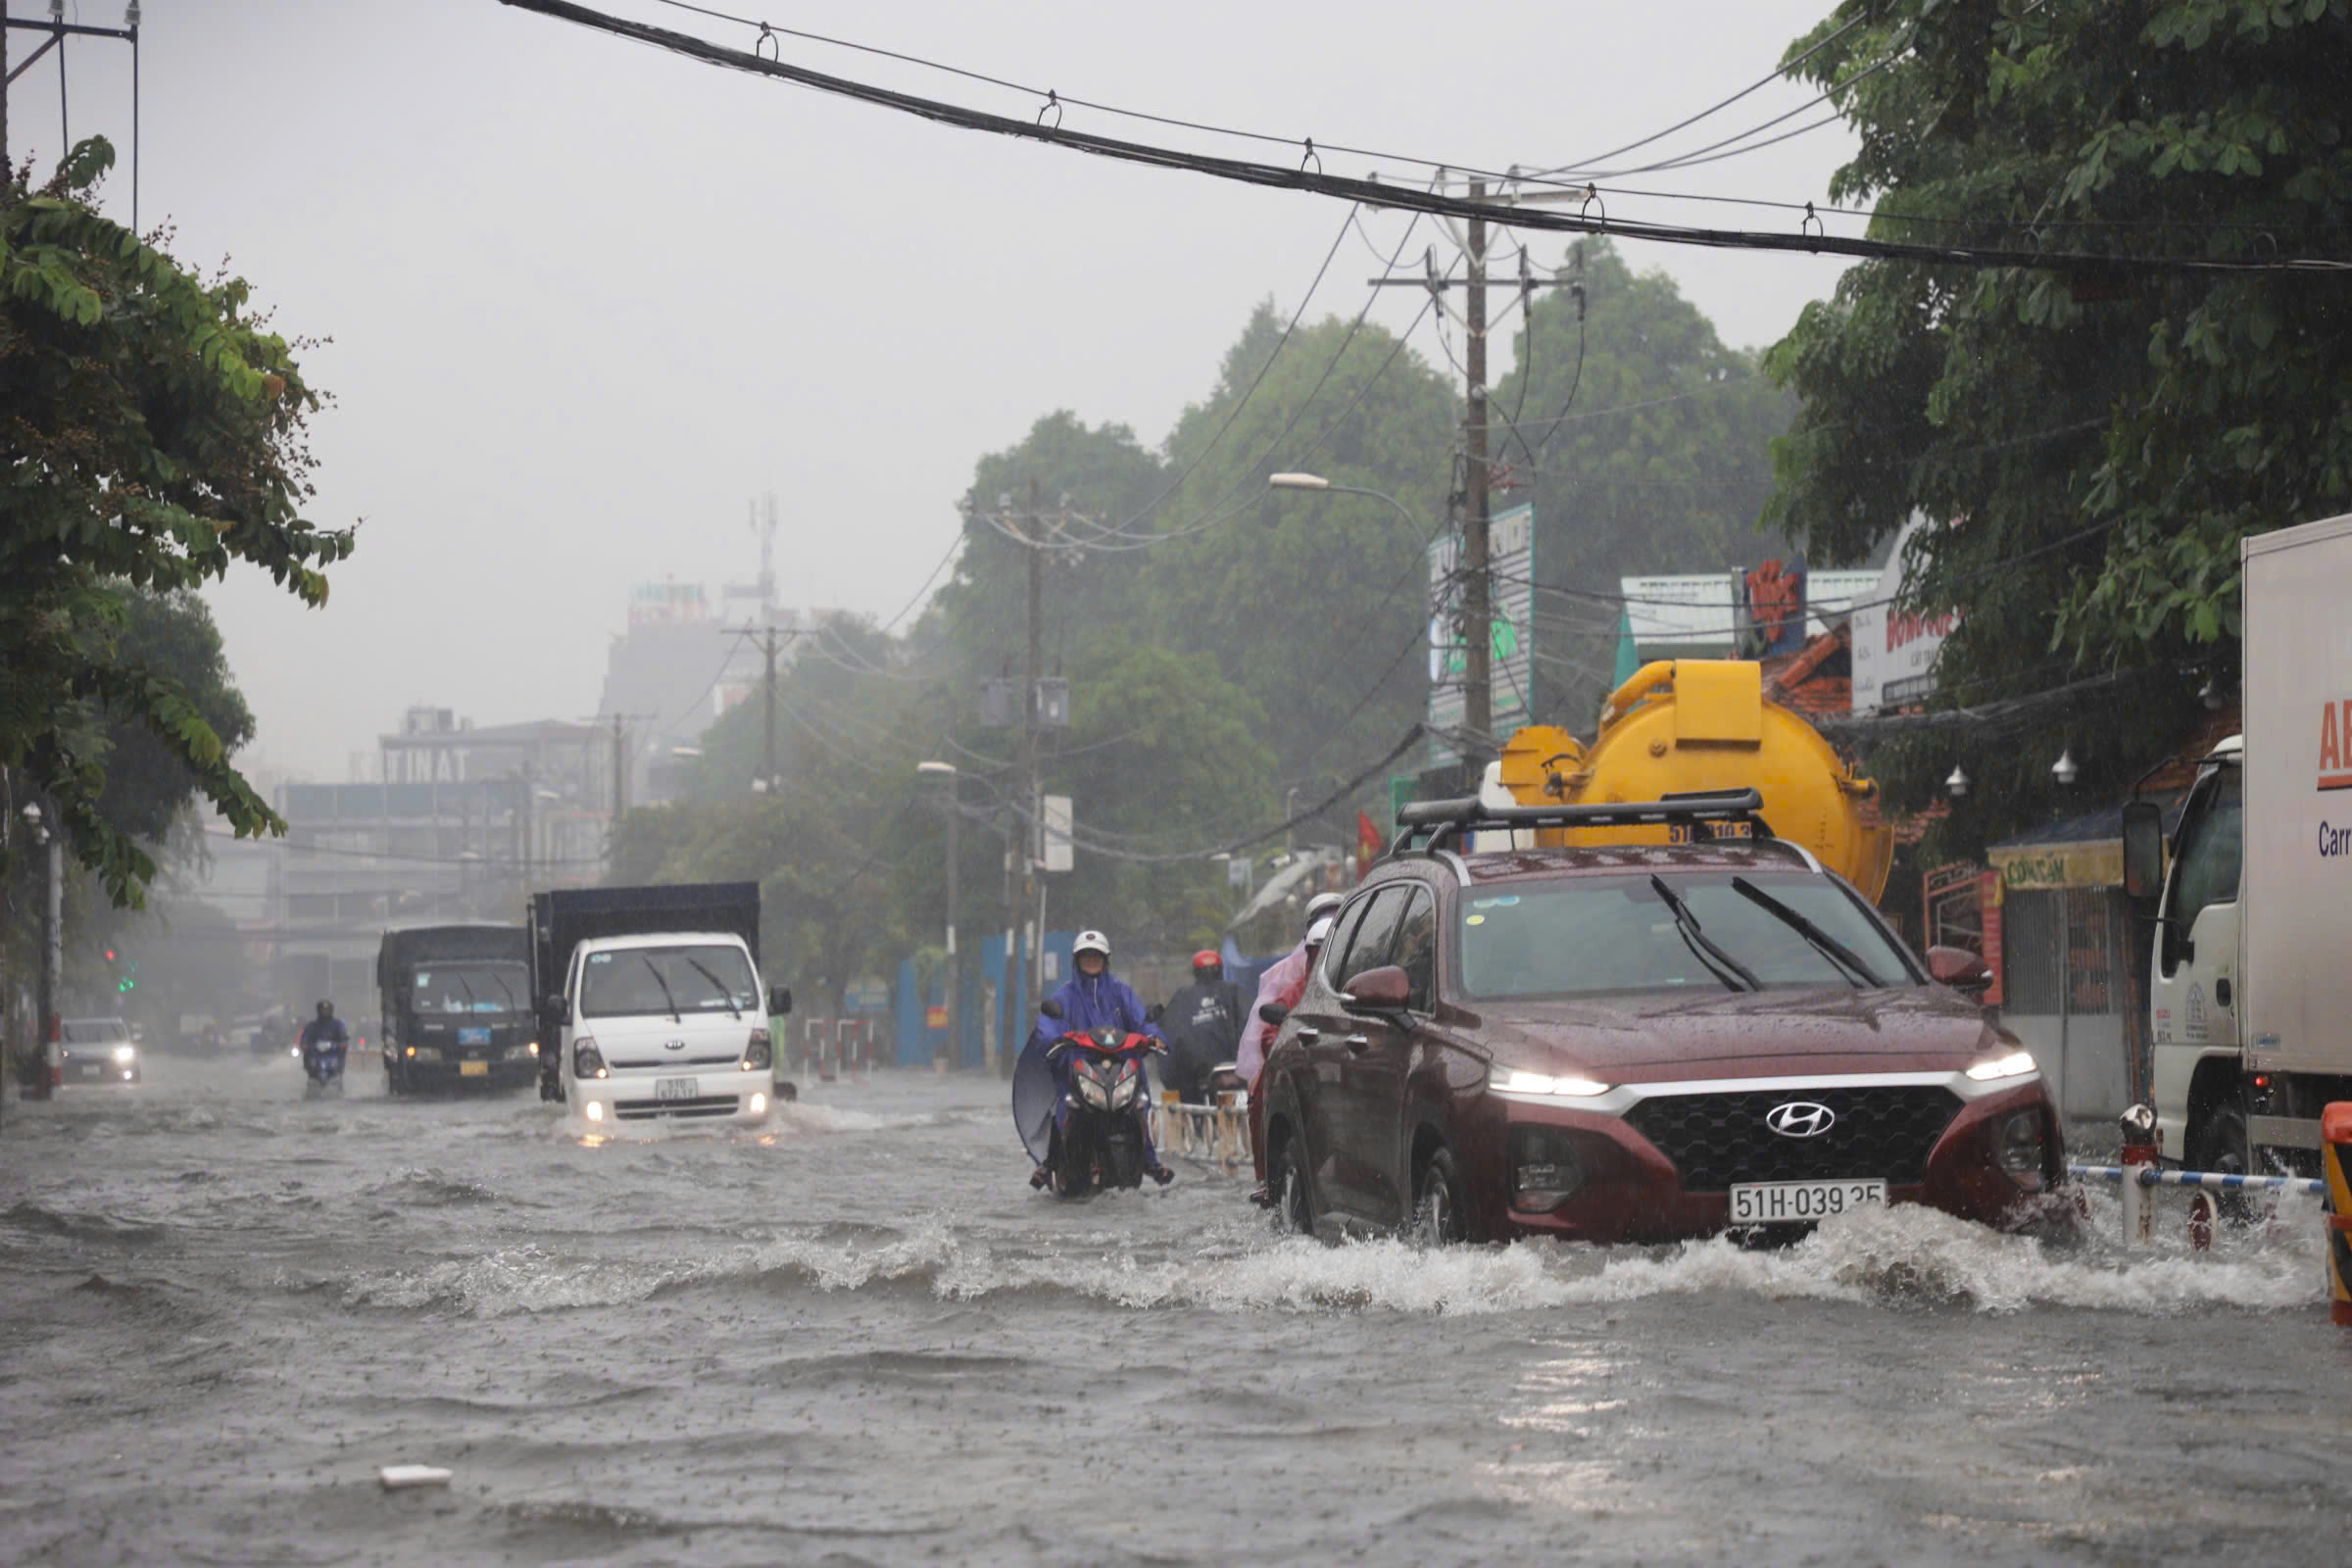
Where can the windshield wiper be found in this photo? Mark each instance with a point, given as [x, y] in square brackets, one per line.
[719, 985]
[459, 975]
[675, 1017]
[1858, 973]
[512, 1004]
[1721, 964]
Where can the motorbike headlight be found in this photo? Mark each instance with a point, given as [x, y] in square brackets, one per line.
[124, 1054]
[587, 1061]
[760, 1052]
[1091, 1092]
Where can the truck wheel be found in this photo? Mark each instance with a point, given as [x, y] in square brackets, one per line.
[2221, 1146]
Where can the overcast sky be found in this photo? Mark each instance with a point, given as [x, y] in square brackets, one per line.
[587, 298]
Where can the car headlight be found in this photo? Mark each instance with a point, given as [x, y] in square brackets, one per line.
[2015, 1064]
[124, 1054]
[760, 1052]
[1543, 1086]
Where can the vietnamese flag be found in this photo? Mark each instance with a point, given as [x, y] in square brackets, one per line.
[1368, 844]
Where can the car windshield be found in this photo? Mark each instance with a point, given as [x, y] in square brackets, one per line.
[1589, 935]
[94, 1031]
[698, 978]
[484, 987]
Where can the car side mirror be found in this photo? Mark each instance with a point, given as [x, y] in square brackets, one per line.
[1051, 1009]
[779, 1001]
[1273, 1012]
[2144, 850]
[1384, 989]
[554, 1003]
[1960, 969]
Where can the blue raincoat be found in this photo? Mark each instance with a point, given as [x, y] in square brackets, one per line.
[1040, 1087]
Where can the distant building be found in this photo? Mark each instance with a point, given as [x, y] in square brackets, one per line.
[1721, 614]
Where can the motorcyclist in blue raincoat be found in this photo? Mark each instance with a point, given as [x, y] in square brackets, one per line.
[324, 1040]
[1093, 998]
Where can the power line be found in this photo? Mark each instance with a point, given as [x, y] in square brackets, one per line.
[1309, 177]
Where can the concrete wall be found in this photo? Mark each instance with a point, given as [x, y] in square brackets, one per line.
[2087, 1073]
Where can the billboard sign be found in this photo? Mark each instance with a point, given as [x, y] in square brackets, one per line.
[1895, 650]
[1510, 600]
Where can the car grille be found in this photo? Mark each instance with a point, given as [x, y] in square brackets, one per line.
[1717, 1139]
[641, 1064]
[701, 1105]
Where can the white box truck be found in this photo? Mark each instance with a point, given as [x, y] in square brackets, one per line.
[2250, 985]
[651, 1005]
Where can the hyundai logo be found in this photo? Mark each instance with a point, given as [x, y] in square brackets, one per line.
[673, 1044]
[1800, 1118]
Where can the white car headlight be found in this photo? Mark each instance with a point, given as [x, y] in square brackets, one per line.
[1541, 1085]
[125, 1053]
[2015, 1064]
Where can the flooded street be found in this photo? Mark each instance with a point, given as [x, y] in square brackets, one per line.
[862, 1339]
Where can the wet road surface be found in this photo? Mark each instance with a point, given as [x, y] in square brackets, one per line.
[861, 1338]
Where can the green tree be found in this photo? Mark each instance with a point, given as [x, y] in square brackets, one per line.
[153, 430]
[1644, 443]
[2096, 439]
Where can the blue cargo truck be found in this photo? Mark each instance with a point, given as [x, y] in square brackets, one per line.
[456, 1009]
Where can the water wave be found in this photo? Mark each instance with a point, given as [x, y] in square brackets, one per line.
[1906, 1258]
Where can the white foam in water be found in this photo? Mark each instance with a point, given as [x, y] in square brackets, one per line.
[1906, 1256]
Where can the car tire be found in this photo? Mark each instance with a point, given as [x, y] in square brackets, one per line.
[1439, 1217]
[1294, 1199]
[2221, 1146]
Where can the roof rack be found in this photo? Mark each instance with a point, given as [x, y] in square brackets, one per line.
[1429, 824]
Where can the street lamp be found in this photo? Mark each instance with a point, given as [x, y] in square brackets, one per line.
[1316, 482]
[2064, 771]
[1956, 786]
[949, 775]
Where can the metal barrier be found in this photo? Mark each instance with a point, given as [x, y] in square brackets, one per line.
[1218, 1133]
[2335, 1137]
[2141, 1176]
[2213, 1181]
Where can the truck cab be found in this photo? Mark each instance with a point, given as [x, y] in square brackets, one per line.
[653, 1005]
[2195, 984]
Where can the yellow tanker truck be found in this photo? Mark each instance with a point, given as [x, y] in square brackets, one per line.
[1687, 724]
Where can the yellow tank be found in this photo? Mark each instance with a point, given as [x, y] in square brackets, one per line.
[1704, 724]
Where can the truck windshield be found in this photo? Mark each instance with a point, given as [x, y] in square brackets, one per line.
[694, 977]
[469, 988]
[1590, 935]
[2212, 844]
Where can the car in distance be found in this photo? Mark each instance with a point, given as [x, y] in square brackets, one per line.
[97, 1051]
[1635, 1043]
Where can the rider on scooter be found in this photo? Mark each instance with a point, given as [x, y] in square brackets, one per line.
[1094, 999]
[323, 1040]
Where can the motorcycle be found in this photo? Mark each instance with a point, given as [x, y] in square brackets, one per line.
[323, 1071]
[1081, 1104]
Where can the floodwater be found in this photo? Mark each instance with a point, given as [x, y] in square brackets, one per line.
[861, 1338]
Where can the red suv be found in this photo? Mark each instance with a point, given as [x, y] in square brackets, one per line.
[1633, 1042]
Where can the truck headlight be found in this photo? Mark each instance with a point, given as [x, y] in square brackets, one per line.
[125, 1053]
[425, 1053]
[760, 1052]
[587, 1061]
[519, 1053]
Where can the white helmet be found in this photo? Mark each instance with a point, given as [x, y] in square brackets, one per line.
[1091, 942]
[1323, 904]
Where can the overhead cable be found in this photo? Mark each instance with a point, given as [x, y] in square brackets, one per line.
[1311, 178]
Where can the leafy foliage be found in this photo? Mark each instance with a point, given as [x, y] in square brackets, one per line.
[151, 436]
[2098, 439]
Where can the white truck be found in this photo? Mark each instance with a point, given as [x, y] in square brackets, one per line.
[2250, 987]
[652, 1000]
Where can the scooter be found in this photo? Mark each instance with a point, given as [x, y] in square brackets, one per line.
[323, 1069]
[1089, 1136]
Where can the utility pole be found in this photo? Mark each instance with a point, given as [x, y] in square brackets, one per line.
[1478, 629]
[620, 773]
[1031, 839]
[765, 639]
[1478, 593]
